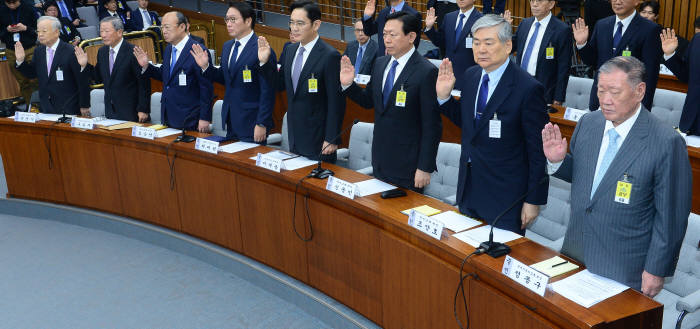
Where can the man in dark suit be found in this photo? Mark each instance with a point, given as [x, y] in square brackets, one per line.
[625, 34]
[595, 10]
[442, 8]
[249, 101]
[69, 33]
[121, 7]
[373, 26]
[187, 94]
[631, 184]
[111, 10]
[501, 113]
[62, 87]
[686, 67]
[407, 125]
[126, 90]
[544, 45]
[142, 18]
[498, 8]
[67, 10]
[363, 48]
[455, 36]
[17, 23]
[310, 76]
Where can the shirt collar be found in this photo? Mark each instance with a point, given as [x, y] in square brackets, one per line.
[181, 45]
[624, 128]
[398, 7]
[54, 46]
[144, 10]
[545, 20]
[403, 59]
[466, 13]
[626, 21]
[244, 40]
[495, 75]
[119, 45]
[309, 45]
[112, 12]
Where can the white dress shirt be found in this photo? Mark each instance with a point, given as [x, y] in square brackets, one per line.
[146, 23]
[307, 50]
[402, 63]
[532, 65]
[243, 41]
[625, 24]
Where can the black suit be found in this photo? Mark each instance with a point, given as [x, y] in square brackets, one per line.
[312, 117]
[553, 73]
[405, 138]
[642, 39]
[373, 27]
[137, 19]
[126, 89]
[121, 14]
[72, 93]
[368, 56]
[68, 31]
[23, 14]
[686, 66]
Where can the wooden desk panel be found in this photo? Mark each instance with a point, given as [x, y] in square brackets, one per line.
[489, 308]
[9, 88]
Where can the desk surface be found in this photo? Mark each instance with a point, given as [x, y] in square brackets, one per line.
[362, 252]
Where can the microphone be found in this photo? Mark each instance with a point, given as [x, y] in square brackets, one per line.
[550, 109]
[64, 118]
[184, 137]
[497, 249]
[319, 172]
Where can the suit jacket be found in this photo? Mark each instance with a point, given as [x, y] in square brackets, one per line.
[367, 57]
[23, 14]
[70, 5]
[502, 169]
[461, 57]
[183, 106]
[552, 73]
[126, 89]
[122, 14]
[245, 103]
[405, 138]
[686, 66]
[618, 240]
[312, 118]
[642, 39]
[68, 31]
[122, 7]
[137, 23]
[373, 27]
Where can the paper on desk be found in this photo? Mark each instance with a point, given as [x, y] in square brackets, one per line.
[277, 154]
[424, 209]
[480, 234]
[547, 266]
[51, 117]
[455, 221]
[587, 289]
[237, 147]
[108, 122]
[372, 186]
[296, 163]
[167, 132]
[693, 141]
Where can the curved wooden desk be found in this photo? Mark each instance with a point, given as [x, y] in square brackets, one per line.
[362, 253]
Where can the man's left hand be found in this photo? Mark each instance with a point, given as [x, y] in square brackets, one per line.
[85, 111]
[143, 116]
[329, 149]
[422, 179]
[528, 214]
[203, 126]
[651, 284]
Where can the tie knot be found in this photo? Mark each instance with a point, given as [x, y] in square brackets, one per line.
[238, 43]
[613, 135]
[394, 64]
[619, 25]
[301, 49]
[111, 51]
[486, 78]
[537, 24]
[461, 16]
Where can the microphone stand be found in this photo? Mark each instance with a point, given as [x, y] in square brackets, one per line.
[184, 137]
[321, 173]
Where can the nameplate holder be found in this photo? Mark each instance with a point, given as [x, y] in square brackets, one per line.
[25, 117]
[339, 186]
[362, 79]
[82, 123]
[525, 275]
[573, 114]
[143, 132]
[425, 224]
[206, 145]
[269, 162]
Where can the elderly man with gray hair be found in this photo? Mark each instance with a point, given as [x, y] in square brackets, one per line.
[62, 87]
[126, 89]
[501, 112]
[631, 183]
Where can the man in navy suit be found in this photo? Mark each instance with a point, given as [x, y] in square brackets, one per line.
[686, 67]
[455, 36]
[187, 94]
[501, 112]
[111, 10]
[249, 101]
[373, 27]
[544, 45]
[310, 76]
[142, 18]
[363, 48]
[407, 129]
[625, 34]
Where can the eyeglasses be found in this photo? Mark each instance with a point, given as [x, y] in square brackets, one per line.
[298, 24]
[539, 1]
[230, 19]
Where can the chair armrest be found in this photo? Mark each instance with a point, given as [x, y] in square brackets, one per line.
[366, 170]
[274, 139]
[343, 153]
[451, 199]
[689, 303]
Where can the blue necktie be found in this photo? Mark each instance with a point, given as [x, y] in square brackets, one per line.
[64, 10]
[358, 61]
[458, 31]
[234, 55]
[617, 36]
[172, 60]
[530, 46]
[607, 159]
[483, 98]
[389, 83]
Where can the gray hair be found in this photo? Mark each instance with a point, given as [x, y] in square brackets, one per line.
[55, 23]
[505, 32]
[116, 22]
[633, 67]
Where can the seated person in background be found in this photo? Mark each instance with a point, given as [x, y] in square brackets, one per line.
[650, 11]
[111, 10]
[363, 49]
[67, 10]
[17, 23]
[122, 7]
[69, 33]
[142, 18]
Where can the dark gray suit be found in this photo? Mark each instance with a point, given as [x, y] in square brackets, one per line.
[367, 57]
[618, 240]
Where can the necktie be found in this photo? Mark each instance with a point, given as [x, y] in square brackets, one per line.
[146, 18]
[111, 60]
[607, 159]
[389, 83]
[458, 31]
[298, 64]
[233, 59]
[49, 60]
[173, 60]
[530, 46]
[483, 98]
[64, 10]
[617, 36]
[358, 61]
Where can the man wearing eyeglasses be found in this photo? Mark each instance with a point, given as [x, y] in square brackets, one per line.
[373, 26]
[362, 51]
[310, 76]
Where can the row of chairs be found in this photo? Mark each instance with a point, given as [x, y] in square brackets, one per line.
[89, 15]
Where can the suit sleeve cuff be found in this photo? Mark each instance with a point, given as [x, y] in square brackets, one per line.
[581, 46]
[442, 101]
[669, 56]
[553, 167]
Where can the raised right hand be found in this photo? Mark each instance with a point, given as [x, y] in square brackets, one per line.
[347, 71]
[445, 80]
[507, 16]
[430, 18]
[553, 144]
[81, 56]
[263, 50]
[370, 8]
[580, 31]
[669, 41]
[200, 56]
[19, 52]
[141, 56]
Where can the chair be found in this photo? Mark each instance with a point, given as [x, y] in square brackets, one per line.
[216, 124]
[97, 102]
[89, 14]
[358, 155]
[155, 108]
[681, 292]
[3, 181]
[89, 32]
[668, 106]
[578, 93]
[549, 227]
[133, 5]
[280, 141]
[443, 182]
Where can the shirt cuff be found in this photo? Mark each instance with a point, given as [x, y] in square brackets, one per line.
[579, 47]
[18, 63]
[345, 87]
[669, 56]
[205, 69]
[443, 101]
[553, 167]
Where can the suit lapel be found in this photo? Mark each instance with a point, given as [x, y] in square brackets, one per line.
[250, 46]
[548, 32]
[406, 73]
[118, 58]
[289, 61]
[352, 52]
[469, 97]
[468, 24]
[310, 64]
[625, 40]
[526, 25]
[225, 53]
[181, 58]
[500, 94]
[58, 54]
[450, 28]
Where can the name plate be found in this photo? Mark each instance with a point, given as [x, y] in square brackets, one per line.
[362, 79]
[25, 117]
[206, 145]
[143, 132]
[82, 123]
[525, 275]
[425, 224]
[574, 114]
[341, 187]
[269, 162]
